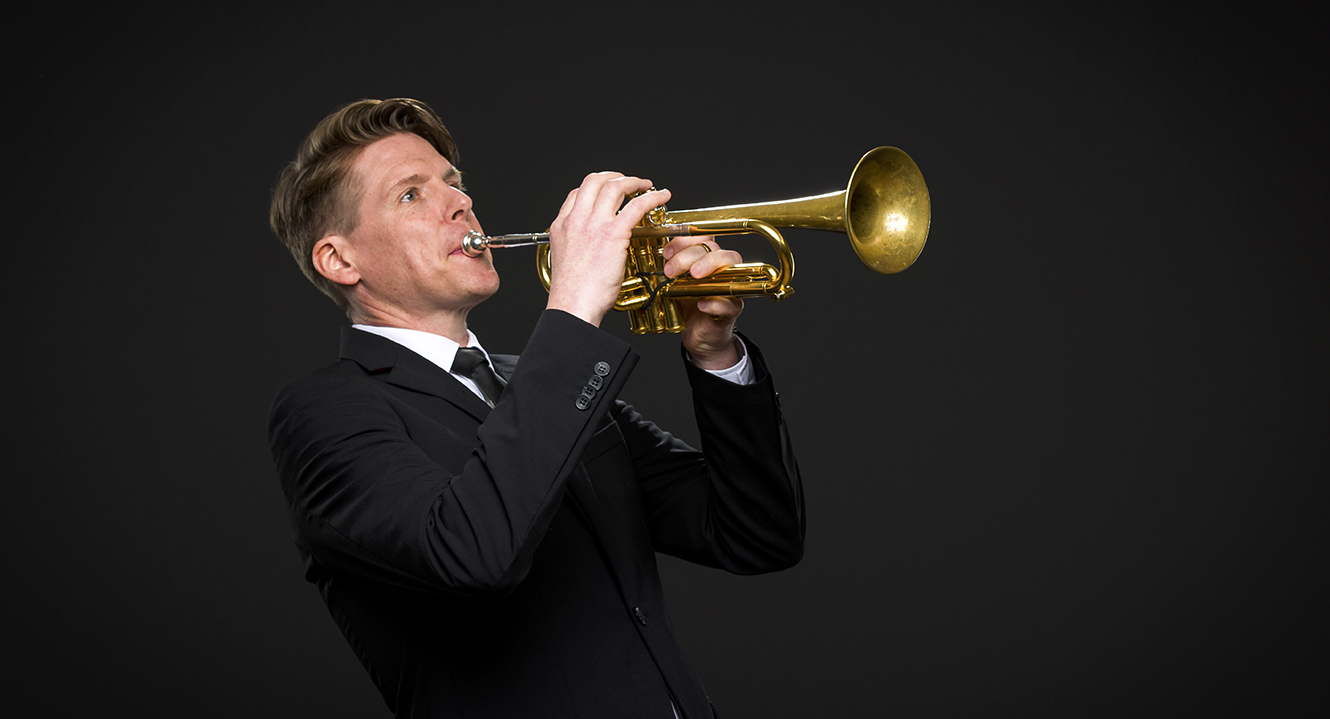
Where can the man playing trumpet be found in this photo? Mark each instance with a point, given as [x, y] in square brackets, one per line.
[483, 527]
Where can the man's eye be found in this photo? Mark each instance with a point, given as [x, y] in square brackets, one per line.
[409, 196]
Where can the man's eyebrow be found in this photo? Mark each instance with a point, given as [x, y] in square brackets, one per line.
[414, 179]
[453, 174]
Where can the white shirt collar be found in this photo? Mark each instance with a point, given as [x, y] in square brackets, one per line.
[436, 348]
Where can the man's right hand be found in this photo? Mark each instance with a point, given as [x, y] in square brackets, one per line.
[589, 242]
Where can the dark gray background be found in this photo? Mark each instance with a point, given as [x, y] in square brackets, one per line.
[1063, 466]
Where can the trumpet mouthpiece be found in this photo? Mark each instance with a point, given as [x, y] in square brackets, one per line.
[473, 244]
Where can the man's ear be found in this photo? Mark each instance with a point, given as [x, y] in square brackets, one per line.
[332, 259]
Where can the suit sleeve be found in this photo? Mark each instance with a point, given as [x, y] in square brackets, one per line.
[737, 504]
[366, 500]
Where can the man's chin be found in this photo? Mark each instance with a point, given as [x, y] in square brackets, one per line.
[487, 290]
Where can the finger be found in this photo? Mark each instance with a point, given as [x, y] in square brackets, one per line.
[712, 261]
[721, 309]
[677, 244]
[685, 257]
[612, 195]
[682, 258]
[698, 262]
[588, 195]
[637, 207]
[567, 205]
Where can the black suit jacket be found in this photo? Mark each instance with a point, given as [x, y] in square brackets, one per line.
[500, 563]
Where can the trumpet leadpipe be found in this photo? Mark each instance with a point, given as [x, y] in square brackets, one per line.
[475, 243]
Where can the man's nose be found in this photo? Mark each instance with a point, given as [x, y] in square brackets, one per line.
[460, 208]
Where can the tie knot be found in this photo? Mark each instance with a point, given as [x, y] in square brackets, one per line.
[467, 359]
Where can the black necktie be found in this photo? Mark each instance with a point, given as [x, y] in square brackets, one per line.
[470, 362]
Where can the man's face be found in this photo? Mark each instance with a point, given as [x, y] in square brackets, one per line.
[407, 247]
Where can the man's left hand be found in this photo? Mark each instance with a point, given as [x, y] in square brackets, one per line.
[708, 333]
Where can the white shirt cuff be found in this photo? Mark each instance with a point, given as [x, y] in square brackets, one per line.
[741, 372]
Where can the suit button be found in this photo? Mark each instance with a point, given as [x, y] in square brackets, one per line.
[602, 368]
[641, 616]
[583, 402]
[596, 382]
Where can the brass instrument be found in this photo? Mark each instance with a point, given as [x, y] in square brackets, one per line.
[885, 210]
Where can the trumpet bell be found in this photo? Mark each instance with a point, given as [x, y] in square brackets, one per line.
[887, 210]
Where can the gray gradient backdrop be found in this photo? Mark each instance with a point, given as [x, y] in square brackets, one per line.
[1066, 465]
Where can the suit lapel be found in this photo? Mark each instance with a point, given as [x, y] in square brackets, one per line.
[409, 370]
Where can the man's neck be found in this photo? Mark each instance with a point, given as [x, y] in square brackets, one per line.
[450, 325]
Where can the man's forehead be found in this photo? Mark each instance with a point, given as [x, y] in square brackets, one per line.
[388, 161]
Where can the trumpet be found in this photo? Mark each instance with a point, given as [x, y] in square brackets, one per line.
[885, 211]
